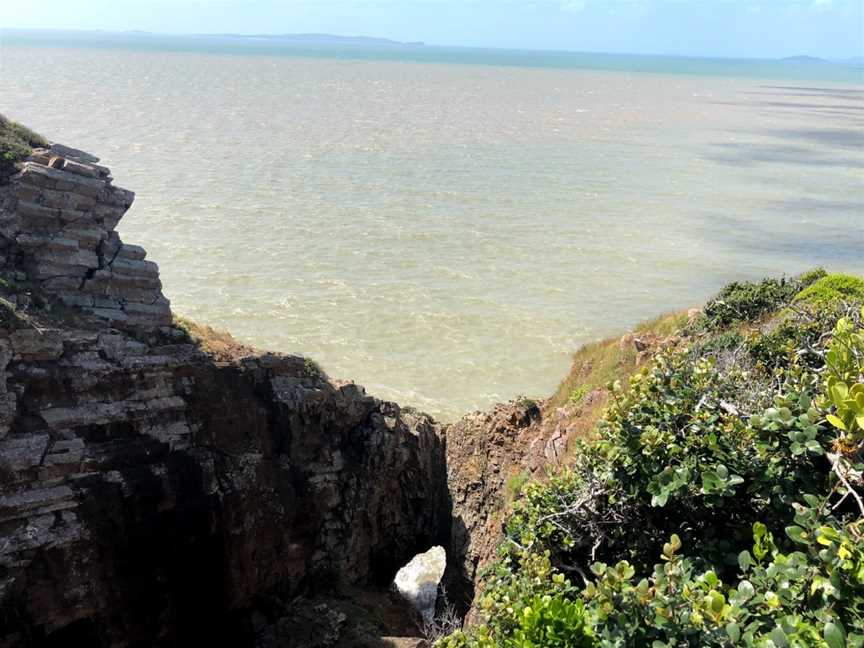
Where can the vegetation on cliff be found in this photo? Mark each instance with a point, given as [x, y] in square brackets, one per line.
[715, 504]
[16, 143]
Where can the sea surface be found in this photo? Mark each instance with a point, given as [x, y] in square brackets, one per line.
[447, 226]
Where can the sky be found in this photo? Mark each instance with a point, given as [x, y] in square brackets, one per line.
[731, 28]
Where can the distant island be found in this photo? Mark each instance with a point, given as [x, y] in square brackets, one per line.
[804, 59]
[324, 39]
[286, 39]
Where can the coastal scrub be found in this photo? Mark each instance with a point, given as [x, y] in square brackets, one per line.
[719, 502]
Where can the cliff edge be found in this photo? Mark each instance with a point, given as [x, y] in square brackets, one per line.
[155, 494]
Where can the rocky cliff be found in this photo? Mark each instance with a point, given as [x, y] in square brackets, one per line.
[57, 229]
[155, 494]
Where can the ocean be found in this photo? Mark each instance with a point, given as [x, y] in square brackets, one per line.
[443, 225]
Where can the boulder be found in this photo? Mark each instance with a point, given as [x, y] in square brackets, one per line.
[418, 580]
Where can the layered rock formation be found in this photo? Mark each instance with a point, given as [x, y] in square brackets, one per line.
[152, 494]
[57, 228]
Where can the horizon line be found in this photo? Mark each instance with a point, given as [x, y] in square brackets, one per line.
[382, 40]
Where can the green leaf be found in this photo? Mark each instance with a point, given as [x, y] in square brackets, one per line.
[836, 422]
[834, 634]
[710, 482]
[734, 632]
[839, 391]
[812, 500]
[796, 534]
[744, 560]
[815, 447]
[660, 500]
[745, 590]
[779, 637]
[717, 602]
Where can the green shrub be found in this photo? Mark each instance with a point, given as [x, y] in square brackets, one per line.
[578, 394]
[794, 335]
[832, 290]
[8, 313]
[16, 143]
[517, 482]
[844, 385]
[312, 369]
[811, 276]
[746, 301]
[811, 596]
[526, 403]
[681, 451]
[529, 604]
[551, 621]
[726, 341]
[746, 448]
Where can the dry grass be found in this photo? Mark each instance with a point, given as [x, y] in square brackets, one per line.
[599, 363]
[666, 324]
[219, 344]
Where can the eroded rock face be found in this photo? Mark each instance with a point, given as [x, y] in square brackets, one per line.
[151, 495]
[485, 449]
[58, 236]
[516, 441]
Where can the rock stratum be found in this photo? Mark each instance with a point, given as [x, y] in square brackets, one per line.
[58, 224]
[154, 493]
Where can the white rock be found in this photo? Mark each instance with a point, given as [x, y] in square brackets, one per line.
[418, 580]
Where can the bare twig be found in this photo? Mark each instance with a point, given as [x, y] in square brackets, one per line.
[836, 461]
[577, 570]
[445, 622]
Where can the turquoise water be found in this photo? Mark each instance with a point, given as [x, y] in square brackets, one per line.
[448, 235]
[746, 68]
